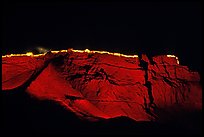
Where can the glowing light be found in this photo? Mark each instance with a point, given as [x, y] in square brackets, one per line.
[104, 52]
[55, 51]
[29, 54]
[37, 55]
[42, 50]
[177, 60]
[117, 54]
[6, 56]
[173, 56]
[80, 51]
[63, 50]
[87, 50]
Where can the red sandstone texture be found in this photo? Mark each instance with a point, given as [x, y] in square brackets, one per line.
[101, 86]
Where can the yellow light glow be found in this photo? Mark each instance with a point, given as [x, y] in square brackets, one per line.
[177, 60]
[29, 54]
[104, 52]
[55, 51]
[63, 50]
[171, 56]
[79, 51]
[37, 55]
[87, 50]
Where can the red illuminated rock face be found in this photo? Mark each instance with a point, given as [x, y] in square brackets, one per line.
[102, 86]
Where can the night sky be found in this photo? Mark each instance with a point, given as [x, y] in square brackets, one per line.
[129, 28]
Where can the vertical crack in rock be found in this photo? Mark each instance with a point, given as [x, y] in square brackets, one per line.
[148, 84]
[149, 87]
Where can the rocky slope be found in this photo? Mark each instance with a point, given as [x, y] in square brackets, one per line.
[98, 86]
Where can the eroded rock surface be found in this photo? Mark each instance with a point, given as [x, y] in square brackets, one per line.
[102, 86]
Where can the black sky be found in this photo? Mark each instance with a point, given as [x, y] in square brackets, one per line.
[129, 28]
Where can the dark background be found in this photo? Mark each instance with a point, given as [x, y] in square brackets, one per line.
[129, 28]
[125, 27]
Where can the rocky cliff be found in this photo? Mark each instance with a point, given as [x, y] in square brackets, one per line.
[102, 85]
